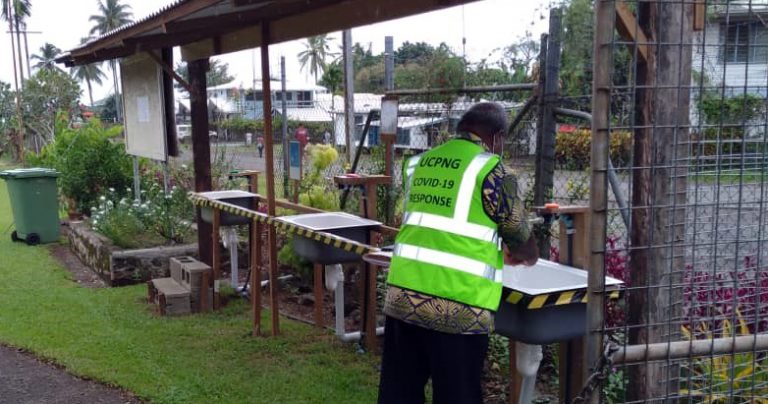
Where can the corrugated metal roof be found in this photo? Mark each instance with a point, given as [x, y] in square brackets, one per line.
[121, 28]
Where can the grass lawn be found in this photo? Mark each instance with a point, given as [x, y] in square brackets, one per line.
[111, 335]
[729, 177]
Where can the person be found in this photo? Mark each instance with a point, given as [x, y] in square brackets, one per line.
[302, 136]
[326, 137]
[260, 145]
[444, 281]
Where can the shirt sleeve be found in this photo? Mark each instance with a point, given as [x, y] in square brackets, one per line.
[503, 204]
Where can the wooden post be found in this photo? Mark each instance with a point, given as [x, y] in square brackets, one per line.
[571, 353]
[270, 168]
[216, 255]
[545, 157]
[318, 289]
[169, 108]
[256, 277]
[205, 282]
[598, 197]
[371, 271]
[515, 380]
[201, 149]
[371, 304]
[659, 190]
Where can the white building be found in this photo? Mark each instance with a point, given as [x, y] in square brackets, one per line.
[732, 50]
[248, 101]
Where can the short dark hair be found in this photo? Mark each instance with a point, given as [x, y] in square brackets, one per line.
[484, 119]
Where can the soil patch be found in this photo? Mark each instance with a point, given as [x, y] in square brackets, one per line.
[26, 379]
[81, 274]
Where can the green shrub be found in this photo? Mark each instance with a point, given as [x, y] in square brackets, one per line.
[315, 192]
[89, 160]
[121, 221]
[239, 125]
[158, 219]
[573, 150]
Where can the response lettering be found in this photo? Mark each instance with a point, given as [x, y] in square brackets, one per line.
[436, 200]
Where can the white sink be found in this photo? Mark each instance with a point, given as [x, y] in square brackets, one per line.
[328, 221]
[548, 277]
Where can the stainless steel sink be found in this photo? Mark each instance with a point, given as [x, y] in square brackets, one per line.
[527, 312]
[240, 198]
[338, 223]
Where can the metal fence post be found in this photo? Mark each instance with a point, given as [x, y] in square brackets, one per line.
[545, 146]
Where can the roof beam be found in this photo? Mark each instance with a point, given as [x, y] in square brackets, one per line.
[242, 19]
[334, 16]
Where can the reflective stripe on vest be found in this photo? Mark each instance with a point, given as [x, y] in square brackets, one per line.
[446, 259]
[451, 225]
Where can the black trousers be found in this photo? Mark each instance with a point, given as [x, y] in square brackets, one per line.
[413, 354]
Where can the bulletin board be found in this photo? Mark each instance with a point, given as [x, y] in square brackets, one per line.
[142, 82]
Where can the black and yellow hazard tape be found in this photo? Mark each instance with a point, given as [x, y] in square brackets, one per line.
[534, 302]
[290, 228]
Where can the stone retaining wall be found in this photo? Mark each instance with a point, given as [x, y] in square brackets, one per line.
[117, 266]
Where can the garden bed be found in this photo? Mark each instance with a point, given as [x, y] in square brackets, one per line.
[118, 266]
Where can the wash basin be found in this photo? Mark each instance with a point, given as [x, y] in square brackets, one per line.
[239, 198]
[545, 303]
[338, 223]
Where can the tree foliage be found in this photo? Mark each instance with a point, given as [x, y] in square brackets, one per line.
[89, 161]
[46, 59]
[218, 73]
[576, 59]
[333, 78]
[7, 117]
[47, 93]
[111, 15]
[518, 58]
[316, 50]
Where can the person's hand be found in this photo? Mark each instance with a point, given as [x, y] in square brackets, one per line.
[526, 254]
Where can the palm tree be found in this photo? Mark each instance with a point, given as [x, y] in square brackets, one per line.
[89, 73]
[47, 57]
[15, 11]
[8, 14]
[332, 78]
[313, 57]
[112, 15]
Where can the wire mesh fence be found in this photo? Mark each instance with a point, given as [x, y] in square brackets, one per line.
[691, 103]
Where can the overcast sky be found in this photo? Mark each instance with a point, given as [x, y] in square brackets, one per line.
[487, 24]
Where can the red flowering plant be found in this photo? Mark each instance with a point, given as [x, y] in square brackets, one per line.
[712, 298]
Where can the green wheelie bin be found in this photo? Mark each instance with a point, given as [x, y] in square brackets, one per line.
[35, 204]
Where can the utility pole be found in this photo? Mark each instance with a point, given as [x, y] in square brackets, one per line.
[389, 63]
[284, 122]
[349, 94]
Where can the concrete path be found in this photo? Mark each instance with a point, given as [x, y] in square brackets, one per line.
[24, 379]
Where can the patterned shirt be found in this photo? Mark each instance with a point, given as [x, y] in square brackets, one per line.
[503, 204]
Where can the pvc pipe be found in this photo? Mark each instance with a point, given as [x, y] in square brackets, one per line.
[685, 349]
[265, 283]
[528, 360]
[339, 308]
[355, 336]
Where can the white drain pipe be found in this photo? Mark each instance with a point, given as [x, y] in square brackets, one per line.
[528, 360]
[334, 281]
[230, 239]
